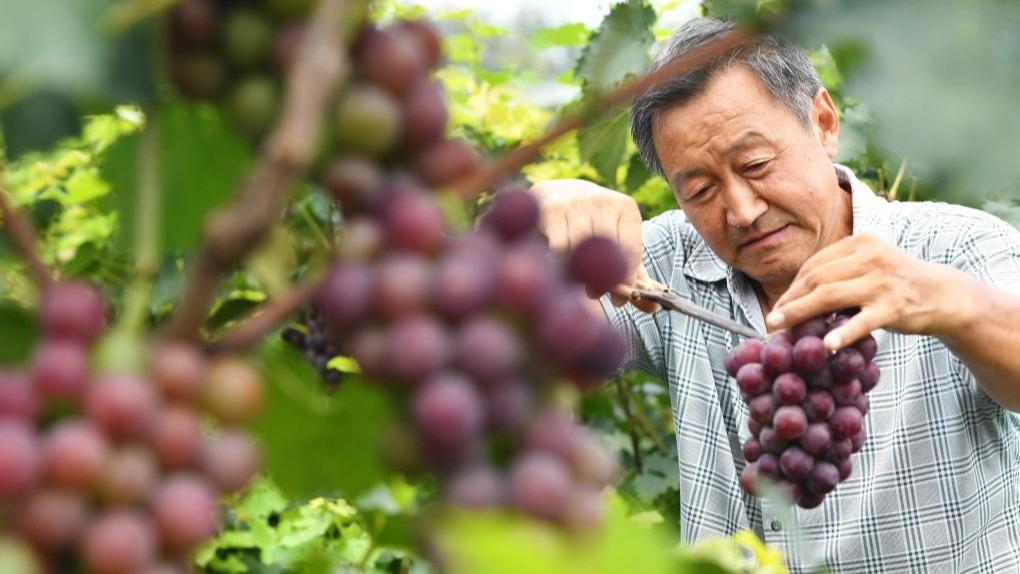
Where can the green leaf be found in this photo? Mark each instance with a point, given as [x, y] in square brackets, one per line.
[18, 333]
[637, 174]
[603, 143]
[620, 46]
[569, 34]
[313, 442]
[200, 162]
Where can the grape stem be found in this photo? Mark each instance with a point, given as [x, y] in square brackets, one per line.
[266, 318]
[674, 303]
[22, 235]
[487, 174]
[231, 233]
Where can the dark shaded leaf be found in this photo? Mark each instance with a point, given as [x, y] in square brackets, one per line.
[619, 47]
[603, 143]
[18, 333]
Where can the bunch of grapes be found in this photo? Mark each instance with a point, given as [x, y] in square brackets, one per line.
[472, 329]
[806, 407]
[115, 473]
[311, 338]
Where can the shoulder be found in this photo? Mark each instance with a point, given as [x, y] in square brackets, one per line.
[942, 231]
[672, 231]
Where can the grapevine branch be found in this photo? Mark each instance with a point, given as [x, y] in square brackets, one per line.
[22, 235]
[266, 318]
[230, 234]
[490, 173]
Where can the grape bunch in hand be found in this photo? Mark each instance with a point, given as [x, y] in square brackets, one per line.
[806, 408]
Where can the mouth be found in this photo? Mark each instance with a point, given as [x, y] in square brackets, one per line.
[765, 238]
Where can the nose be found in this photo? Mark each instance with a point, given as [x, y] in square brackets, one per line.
[743, 204]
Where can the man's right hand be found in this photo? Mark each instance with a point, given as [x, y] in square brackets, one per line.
[573, 210]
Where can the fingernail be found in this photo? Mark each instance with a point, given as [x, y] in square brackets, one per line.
[775, 318]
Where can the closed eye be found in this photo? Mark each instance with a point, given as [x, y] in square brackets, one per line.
[756, 166]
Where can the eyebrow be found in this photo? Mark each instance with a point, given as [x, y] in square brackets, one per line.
[746, 140]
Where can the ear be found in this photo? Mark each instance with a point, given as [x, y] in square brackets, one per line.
[825, 121]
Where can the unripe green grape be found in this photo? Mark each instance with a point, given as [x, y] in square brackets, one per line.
[248, 38]
[367, 120]
[254, 105]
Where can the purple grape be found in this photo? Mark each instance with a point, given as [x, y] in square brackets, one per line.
[763, 408]
[553, 431]
[867, 347]
[488, 349]
[508, 403]
[816, 439]
[808, 500]
[768, 465]
[344, 297]
[771, 442]
[425, 113]
[525, 276]
[592, 463]
[414, 222]
[823, 478]
[121, 405]
[403, 284]
[777, 357]
[176, 437]
[19, 457]
[74, 454]
[845, 467]
[540, 485]
[811, 328]
[60, 370]
[476, 487]
[51, 519]
[462, 285]
[416, 347]
[429, 41]
[447, 161]
[845, 422]
[128, 476]
[72, 311]
[846, 364]
[754, 426]
[230, 459]
[846, 392]
[868, 377]
[448, 411]
[790, 422]
[185, 511]
[390, 57]
[823, 379]
[746, 352]
[858, 440]
[819, 406]
[783, 338]
[863, 404]
[752, 449]
[752, 380]
[810, 355]
[600, 360]
[17, 397]
[514, 214]
[749, 478]
[599, 264]
[839, 450]
[118, 542]
[566, 328]
[795, 463]
[789, 389]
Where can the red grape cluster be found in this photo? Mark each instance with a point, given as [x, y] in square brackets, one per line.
[115, 473]
[806, 407]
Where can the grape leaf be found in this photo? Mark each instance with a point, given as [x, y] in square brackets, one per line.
[569, 34]
[619, 47]
[200, 162]
[313, 442]
[602, 143]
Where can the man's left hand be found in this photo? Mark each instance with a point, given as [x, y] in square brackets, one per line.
[892, 289]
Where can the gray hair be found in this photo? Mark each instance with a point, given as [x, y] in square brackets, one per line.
[783, 68]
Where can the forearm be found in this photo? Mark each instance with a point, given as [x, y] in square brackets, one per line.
[983, 330]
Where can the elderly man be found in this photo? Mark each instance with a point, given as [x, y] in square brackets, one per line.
[770, 232]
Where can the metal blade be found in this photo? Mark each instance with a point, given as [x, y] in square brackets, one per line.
[674, 303]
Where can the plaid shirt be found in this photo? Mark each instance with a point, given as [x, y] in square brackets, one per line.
[936, 487]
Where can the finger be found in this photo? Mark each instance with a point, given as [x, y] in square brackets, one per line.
[823, 299]
[859, 326]
[629, 238]
[811, 278]
[554, 224]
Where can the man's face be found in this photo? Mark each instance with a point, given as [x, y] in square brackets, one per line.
[736, 157]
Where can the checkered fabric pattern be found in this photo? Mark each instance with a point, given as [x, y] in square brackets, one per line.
[936, 487]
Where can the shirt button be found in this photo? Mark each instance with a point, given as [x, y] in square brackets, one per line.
[776, 525]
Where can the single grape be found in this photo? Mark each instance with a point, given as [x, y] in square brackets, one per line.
[599, 264]
[508, 404]
[592, 463]
[819, 406]
[353, 181]
[846, 364]
[600, 360]
[525, 278]
[178, 370]
[345, 295]
[72, 311]
[789, 389]
[845, 393]
[752, 449]
[390, 57]
[514, 214]
[60, 370]
[176, 437]
[230, 459]
[17, 397]
[553, 431]
[809, 500]
[429, 41]
[868, 377]
[790, 422]
[752, 380]
[777, 357]
[128, 476]
[795, 463]
[425, 113]
[185, 511]
[74, 454]
[539, 485]
[448, 410]
[50, 520]
[247, 38]
[863, 404]
[476, 487]
[749, 351]
[816, 439]
[254, 105]
[839, 450]
[488, 349]
[810, 355]
[823, 478]
[763, 408]
[845, 467]
[123, 406]
[367, 120]
[566, 328]
[771, 442]
[416, 347]
[118, 542]
[768, 466]
[811, 328]
[845, 422]
[443, 163]
[749, 478]
[462, 285]
[361, 241]
[867, 347]
[858, 440]
[19, 457]
[233, 390]
[404, 284]
[754, 426]
[414, 222]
